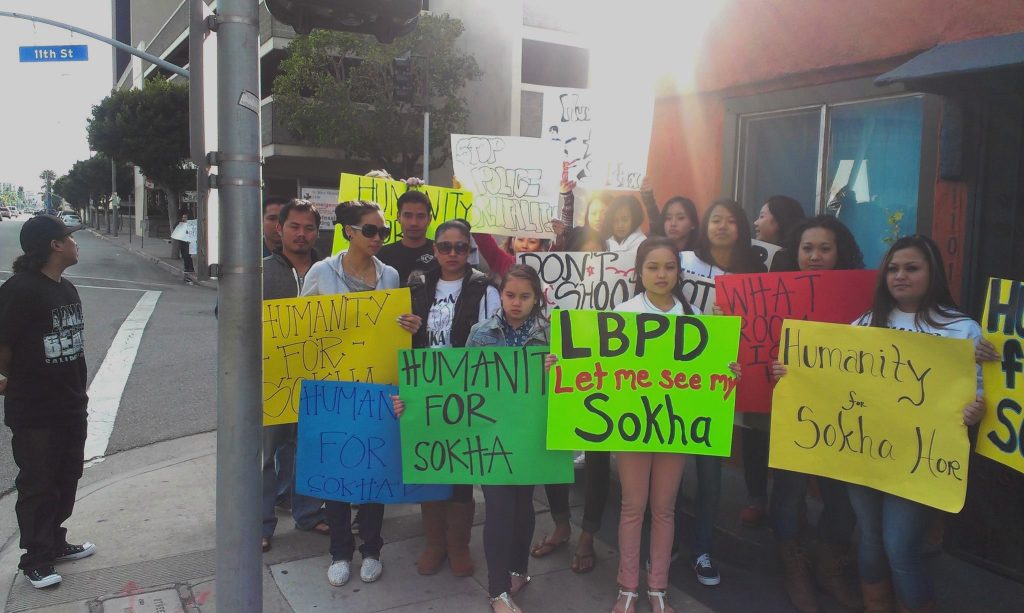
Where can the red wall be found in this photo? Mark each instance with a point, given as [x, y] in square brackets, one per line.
[757, 46]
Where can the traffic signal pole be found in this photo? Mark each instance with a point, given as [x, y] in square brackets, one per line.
[239, 325]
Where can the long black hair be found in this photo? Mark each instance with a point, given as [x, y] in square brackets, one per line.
[690, 209]
[787, 213]
[742, 259]
[605, 199]
[32, 261]
[937, 298]
[849, 254]
[643, 252]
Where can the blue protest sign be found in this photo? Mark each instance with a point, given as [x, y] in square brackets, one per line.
[54, 53]
[349, 447]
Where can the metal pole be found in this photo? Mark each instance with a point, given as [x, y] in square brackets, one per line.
[110, 41]
[115, 201]
[113, 163]
[239, 333]
[197, 125]
[426, 146]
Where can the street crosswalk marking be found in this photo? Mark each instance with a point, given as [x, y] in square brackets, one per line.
[108, 384]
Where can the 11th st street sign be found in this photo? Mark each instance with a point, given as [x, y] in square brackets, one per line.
[54, 53]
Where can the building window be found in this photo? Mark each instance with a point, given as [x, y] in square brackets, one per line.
[555, 65]
[859, 160]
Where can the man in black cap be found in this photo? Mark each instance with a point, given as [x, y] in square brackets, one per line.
[43, 376]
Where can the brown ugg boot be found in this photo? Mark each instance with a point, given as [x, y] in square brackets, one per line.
[830, 575]
[797, 576]
[434, 525]
[460, 524]
[878, 597]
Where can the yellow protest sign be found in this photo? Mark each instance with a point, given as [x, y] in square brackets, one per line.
[876, 407]
[447, 203]
[342, 337]
[1002, 428]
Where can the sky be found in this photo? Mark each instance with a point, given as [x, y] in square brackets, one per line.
[44, 105]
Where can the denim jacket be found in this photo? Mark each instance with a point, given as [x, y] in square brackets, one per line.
[488, 333]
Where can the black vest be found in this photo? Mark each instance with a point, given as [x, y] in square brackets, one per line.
[423, 286]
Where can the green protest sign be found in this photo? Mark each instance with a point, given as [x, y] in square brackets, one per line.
[477, 416]
[642, 382]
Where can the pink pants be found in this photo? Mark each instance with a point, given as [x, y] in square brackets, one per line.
[643, 475]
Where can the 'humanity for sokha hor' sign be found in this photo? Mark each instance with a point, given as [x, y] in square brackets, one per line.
[876, 407]
[1002, 429]
[642, 382]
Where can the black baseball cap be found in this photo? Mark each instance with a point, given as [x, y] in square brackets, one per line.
[37, 232]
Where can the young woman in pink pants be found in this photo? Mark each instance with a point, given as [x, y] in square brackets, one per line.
[651, 477]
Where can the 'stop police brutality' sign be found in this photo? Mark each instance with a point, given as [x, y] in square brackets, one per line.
[54, 53]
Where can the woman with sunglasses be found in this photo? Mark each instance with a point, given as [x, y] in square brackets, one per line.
[356, 270]
[451, 299]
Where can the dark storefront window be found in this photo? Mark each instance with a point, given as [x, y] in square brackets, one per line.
[860, 161]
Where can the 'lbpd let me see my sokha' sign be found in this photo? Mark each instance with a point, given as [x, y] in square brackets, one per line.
[876, 407]
[642, 382]
[1002, 429]
[344, 337]
[477, 416]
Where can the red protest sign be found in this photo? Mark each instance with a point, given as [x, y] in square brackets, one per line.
[765, 300]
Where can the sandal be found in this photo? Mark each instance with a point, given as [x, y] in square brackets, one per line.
[546, 547]
[630, 606]
[505, 600]
[526, 579]
[322, 529]
[662, 606]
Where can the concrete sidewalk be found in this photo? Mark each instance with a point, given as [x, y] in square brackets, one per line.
[156, 250]
[150, 512]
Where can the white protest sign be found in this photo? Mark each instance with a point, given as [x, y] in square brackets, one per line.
[325, 201]
[188, 231]
[514, 182]
[568, 120]
[583, 280]
[622, 140]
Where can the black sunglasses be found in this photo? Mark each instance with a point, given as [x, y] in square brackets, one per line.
[460, 248]
[369, 230]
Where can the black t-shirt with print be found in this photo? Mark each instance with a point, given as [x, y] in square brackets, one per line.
[41, 321]
[407, 259]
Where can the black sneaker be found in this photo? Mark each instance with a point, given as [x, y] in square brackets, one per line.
[43, 577]
[76, 552]
[706, 571]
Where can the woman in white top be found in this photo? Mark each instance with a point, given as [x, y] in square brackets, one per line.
[651, 478]
[356, 270]
[723, 246]
[912, 294]
[622, 224]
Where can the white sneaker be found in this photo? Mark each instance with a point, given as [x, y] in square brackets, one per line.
[371, 570]
[338, 573]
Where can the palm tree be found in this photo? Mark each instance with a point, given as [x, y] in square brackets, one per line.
[48, 177]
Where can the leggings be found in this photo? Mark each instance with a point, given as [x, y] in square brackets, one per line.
[508, 531]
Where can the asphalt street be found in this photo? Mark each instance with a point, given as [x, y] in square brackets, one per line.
[171, 389]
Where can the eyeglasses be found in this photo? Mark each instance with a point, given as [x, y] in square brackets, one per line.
[460, 248]
[370, 230]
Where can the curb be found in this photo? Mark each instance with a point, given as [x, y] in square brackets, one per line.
[178, 272]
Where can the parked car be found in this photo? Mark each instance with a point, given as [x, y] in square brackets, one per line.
[71, 219]
[5, 212]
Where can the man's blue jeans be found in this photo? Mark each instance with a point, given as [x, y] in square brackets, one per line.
[306, 511]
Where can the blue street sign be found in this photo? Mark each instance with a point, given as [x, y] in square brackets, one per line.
[54, 53]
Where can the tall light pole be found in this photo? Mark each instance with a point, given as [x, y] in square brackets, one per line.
[239, 342]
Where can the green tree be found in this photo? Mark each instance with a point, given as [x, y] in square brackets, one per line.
[336, 89]
[147, 127]
[48, 177]
[90, 180]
